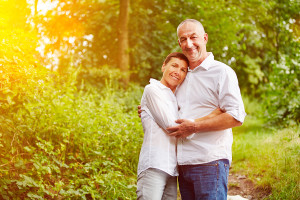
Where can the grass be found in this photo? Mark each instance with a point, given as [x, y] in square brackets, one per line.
[269, 157]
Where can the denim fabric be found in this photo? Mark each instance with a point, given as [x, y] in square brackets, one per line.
[154, 184]
[205, 181]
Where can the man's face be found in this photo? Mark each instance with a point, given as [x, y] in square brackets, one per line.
[192, 41]
[174, 73]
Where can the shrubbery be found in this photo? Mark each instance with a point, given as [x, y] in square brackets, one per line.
[65, 142]
[282, 94]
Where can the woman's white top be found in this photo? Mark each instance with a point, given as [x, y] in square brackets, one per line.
[159, 111]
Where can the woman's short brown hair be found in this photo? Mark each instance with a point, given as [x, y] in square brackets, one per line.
[181, 56]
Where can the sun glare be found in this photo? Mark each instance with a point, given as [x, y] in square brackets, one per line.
[43, 6]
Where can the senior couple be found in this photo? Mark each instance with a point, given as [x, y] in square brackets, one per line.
[187, 118]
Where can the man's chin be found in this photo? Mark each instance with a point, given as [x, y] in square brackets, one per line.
[193, 58]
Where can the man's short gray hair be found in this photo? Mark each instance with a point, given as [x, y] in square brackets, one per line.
[190, 20]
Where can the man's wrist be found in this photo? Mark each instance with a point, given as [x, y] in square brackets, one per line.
[191, 135]
[193, 126]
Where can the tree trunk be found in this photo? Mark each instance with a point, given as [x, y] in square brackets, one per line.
[35, 7]
[123, 47]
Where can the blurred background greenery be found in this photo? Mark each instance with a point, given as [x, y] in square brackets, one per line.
[72, 73]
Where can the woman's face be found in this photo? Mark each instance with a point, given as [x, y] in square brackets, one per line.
[174, 73]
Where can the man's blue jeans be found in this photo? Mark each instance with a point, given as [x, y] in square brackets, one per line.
[205, 181]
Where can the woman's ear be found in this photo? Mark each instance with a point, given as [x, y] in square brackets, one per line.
[163, 67]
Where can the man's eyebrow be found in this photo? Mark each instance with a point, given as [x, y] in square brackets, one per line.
[192, 34]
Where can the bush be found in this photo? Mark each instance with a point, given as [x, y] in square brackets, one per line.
[282, 94]
[70, 143]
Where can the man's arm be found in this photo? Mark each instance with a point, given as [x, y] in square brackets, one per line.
[220, 122]
[214, 113]
[139, 110]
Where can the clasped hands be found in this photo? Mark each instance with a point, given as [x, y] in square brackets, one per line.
[182, 130]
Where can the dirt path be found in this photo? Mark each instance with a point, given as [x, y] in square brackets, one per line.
[240, 185]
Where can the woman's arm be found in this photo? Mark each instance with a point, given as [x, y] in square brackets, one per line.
[163, 109]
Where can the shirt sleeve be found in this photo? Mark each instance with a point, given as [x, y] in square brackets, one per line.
[163, 110]
[230, 98]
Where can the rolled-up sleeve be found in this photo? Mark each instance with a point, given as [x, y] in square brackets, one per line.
[163, 109]
[230, 99]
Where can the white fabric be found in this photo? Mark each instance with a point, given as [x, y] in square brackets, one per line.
[161, 110]
[210, 85]
[154, 184]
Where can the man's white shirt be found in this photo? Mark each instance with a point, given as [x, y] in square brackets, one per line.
[209, 86]
[161, 110]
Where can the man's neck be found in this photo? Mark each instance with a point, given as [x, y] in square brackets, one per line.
[195, 64]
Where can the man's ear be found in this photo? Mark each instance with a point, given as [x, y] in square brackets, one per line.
[205, 37]
[179, 43]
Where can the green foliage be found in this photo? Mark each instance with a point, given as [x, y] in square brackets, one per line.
[70, 143]
[249, 36]
[19, 66]
[282, 95]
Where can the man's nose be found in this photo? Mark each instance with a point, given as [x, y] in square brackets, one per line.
[189, 43]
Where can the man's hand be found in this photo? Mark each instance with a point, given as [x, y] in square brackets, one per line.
[184, 129]
[139, 110]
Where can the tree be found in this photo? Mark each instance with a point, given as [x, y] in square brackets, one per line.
[246, 35]
[19, 66]
[123, 46]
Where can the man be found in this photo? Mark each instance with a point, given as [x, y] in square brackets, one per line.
[204, 147]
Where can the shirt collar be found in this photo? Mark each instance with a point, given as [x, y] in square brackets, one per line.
[158, 83]
[206, 63]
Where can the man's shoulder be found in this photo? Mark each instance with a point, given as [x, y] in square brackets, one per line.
[222, 66]
[219, 64]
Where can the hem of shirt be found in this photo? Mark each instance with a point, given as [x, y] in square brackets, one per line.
[171, 174]
[203, 162]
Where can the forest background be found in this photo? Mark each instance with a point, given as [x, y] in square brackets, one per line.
[72, 73]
